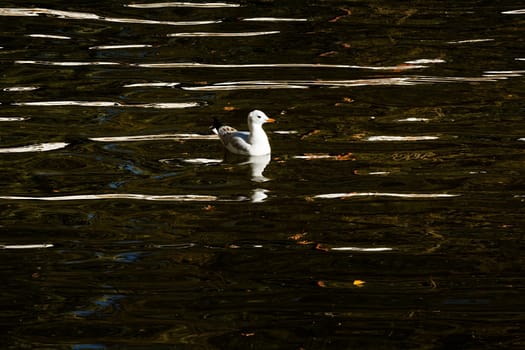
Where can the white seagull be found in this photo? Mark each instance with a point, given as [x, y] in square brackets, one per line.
[250, 143]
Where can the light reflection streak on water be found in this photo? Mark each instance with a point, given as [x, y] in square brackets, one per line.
[384, 194]
[358, 249]
[514, 12]
[175, 105]
[297, 84]
[39, 147]
[274, 65]
[160, 137]
[183, 4]
[20, 88]
[48, 36]
[243, 87]
[191, 245]
[167, 137]
[26, 246]
[68, 63]
[13, 119]
[116, 47]
[413, 119]
[318, 156]
[170, 85]
[401, 138]
[471, 41]
[218, 66]
[73, 15]
[505, 73]
[304, 84]
[285, 132]
[166, 198]
[490, 76]
[426, 61]
[258, 195]
[200, 161]
[219, 34]
[274, 19]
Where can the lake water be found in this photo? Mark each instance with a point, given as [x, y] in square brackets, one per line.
[390, 214]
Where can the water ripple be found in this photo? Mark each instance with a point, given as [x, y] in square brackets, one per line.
[299, 84]
[398, 68]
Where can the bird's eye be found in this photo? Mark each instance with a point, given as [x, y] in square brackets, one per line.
[259, 116]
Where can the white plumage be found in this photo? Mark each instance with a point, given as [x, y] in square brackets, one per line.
[251, 143]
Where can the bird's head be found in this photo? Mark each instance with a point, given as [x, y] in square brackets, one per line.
[257, 117]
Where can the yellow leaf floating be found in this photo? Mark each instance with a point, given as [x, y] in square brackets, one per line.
[359, 283]
[321, 284]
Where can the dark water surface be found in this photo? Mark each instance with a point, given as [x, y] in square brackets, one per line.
[390, 213]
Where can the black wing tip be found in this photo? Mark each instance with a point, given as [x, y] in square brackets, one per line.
[216, 123]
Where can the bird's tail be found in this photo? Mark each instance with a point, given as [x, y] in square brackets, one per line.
[216, 125]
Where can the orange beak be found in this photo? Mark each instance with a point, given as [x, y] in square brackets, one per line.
[270, 120]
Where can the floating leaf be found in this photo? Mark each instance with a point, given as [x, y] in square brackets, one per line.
[359, 283]
[328, 54]
[322, 247]
[348, 12]
[298, 236]
[345, 156]
[310, 133]
[314, 156]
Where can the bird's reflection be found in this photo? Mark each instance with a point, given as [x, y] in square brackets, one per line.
[257, 164]
[258, 195]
